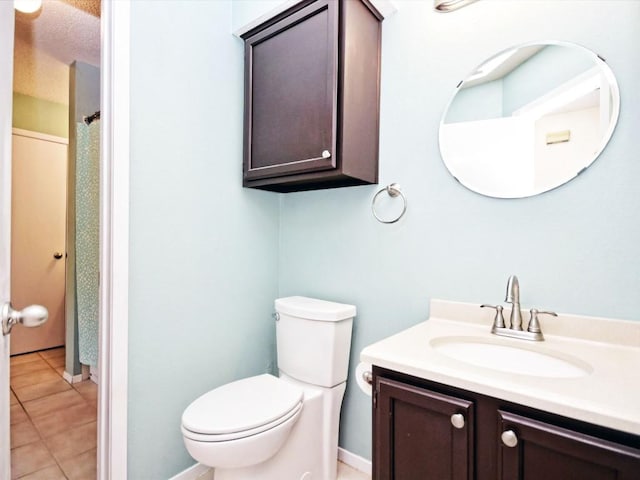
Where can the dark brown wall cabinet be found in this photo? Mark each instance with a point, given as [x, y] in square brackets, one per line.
[312, 88]
[427, 431]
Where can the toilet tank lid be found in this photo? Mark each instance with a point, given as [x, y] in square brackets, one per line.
[314, 309]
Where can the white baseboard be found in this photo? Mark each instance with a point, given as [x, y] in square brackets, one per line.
[93, 374]
[202, 472]
[354, 461]
[195, 472]
[73, 378]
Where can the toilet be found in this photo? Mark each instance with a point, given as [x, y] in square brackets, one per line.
[285, 427]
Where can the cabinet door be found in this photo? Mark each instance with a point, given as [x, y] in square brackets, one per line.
[415, 437]
[291, 94]
[548, 452]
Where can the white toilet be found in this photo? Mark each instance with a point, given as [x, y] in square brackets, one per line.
[286, 427]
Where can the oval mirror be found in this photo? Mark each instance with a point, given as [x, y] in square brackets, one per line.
[529, 119]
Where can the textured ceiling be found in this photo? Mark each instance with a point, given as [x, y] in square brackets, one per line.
[66, 30]
[48, 41]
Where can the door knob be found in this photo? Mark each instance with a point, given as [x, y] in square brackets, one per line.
[57, 255]
[31, 316]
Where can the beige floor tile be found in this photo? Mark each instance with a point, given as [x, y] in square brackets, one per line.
[30, 458]
[81, 467]
[53, 403]
[31, 392]
[56, 362]
[49, 473]
[17, 414]
[40, 376]
[12, 398]
[23, 433]
[24, 358]
[65, 416]
[64, 420]
[88, 390]
[28, 367]
[52, 353]
[345, 472]
[73, 442]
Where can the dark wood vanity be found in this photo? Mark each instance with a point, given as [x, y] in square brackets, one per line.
[312, 88]
[424, 430]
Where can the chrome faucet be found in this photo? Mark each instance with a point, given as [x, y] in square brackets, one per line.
[513, 297]
[533, 332]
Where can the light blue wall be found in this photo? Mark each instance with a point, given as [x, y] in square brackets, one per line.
[540, 74]
[203, 250]
[480, 102]
[246, 11]
[575, 249]
[551, 67]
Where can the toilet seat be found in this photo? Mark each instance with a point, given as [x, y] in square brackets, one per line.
[200, 437]
[241, 409]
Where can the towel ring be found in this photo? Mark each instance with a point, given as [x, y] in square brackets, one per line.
[394, 191]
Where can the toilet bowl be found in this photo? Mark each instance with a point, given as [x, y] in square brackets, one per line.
[241, 423]
[280, 428]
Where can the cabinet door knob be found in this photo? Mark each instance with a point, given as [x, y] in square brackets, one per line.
[457, 420]
[326, 154]
[57, 255]
[509, 438]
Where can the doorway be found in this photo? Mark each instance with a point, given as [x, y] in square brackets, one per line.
[53, 421]
[114, 235]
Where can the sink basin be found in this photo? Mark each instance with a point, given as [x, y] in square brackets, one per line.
[511, 359]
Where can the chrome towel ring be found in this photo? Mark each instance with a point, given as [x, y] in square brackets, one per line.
[394, 191]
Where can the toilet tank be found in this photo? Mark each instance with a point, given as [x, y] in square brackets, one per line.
[313, 339]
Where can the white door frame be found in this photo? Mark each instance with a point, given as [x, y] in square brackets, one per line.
[114, 241]
[114, 234]
[6, 102]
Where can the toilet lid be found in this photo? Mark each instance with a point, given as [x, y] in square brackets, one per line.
[242, 405]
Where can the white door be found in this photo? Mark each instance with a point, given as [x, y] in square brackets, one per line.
[6, 108]
[39, 203]
[6, 103]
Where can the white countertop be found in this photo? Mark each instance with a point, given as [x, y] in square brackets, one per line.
[608, 394]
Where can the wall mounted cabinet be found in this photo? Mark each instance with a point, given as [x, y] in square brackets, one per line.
[312, 88]
[431, 431]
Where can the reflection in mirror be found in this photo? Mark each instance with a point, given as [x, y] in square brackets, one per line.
[529, 119]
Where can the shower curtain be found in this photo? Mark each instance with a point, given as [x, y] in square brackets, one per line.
[87, 239]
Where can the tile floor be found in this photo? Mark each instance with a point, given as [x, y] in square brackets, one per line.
[53, 423]
[345, 472]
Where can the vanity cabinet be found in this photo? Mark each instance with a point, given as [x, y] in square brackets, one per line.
[549, 452]
[422, 434]
[425, 430]
[312, 87]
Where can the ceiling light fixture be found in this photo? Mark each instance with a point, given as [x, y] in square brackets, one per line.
[450, 5]
[27, 6]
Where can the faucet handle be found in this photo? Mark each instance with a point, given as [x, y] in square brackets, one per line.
[534, 324]
[498, 321]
